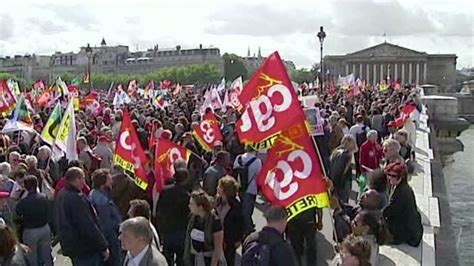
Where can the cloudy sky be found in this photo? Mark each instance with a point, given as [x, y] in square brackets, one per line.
[433, 26]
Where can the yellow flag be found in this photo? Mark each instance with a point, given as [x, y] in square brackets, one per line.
[65, 142]
[51, 128]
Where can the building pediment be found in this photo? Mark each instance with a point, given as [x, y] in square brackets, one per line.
[386, 49]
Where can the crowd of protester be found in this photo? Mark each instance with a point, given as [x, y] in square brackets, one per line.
[203, 216]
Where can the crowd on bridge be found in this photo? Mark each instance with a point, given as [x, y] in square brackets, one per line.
[201, 212]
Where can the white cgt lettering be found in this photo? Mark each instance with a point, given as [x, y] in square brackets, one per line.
[263, 108]
[208, 132]
[174, 155]
[123, 140]
[287, 188]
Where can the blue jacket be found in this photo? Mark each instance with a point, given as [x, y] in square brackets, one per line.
[107, 212]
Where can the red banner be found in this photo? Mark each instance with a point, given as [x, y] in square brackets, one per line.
[167, 153]
[44, 98]
[129, 153]
[7, 99]
[404, 115]
[292, 176]
[270, 102]
[208, 132]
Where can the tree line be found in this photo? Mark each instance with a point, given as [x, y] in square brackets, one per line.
[234, 67]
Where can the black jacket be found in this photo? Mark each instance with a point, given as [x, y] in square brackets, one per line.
[281, 253]
[78, 229]
[402, 217]
[172, 209]
[233, 223]
[33, 210]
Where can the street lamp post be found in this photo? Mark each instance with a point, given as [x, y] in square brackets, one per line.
[321, 35]
[89, 55]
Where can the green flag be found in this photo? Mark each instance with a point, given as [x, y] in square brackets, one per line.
[76, 82]
[52, 125]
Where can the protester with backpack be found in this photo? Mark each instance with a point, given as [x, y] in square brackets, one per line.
[340, 170]
[246, 169]
[268, 247]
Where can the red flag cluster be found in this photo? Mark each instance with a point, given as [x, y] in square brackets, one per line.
[291, 175]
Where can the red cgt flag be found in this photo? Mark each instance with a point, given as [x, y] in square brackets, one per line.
[270, 102]
[292, 176]
[208, 132]
[7, 99]
[404, 115]
[129, 153]
[167, 153]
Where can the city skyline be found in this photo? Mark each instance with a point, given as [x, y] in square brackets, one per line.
[233, 26]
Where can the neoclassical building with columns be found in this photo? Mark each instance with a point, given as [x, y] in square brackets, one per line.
[391, 61]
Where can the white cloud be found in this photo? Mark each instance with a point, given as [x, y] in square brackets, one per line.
[287, 26]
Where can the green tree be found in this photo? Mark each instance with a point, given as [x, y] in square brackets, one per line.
[21, 82]
[204, 73]
[234, 67]
[302, 75]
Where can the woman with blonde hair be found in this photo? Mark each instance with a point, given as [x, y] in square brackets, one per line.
[340, 170]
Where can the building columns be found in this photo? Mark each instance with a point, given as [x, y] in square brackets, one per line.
[353, 69]
[403, 73]
[395, 76]
[424, 72]
[410, 74]
[417, 73]
[347, 69]
[360, 72]
[367, 76]
[381, 71]
[375, 74]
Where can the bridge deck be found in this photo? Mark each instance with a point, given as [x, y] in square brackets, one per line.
[421, 182]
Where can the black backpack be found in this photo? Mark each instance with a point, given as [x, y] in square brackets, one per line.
[338, 167]
[256, 254]
[361, 136]
[241, 173]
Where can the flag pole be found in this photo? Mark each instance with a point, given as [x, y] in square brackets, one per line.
[323, 168]
[110, 88]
